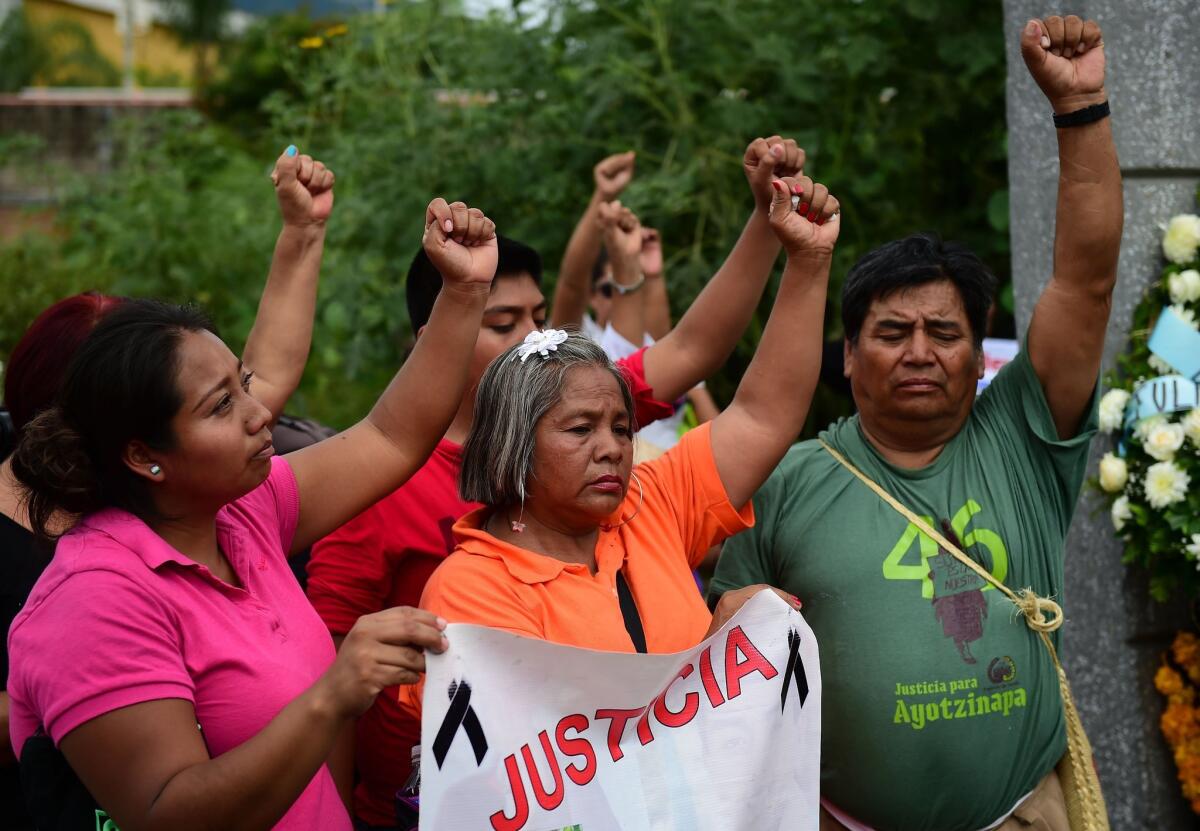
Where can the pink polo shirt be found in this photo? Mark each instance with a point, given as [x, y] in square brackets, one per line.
[120, 618]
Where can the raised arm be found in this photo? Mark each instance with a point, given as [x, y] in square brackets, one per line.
[623, 242]
[1065, 56]
[341, 476]
[771, 402]
[707, 333]
[657, 302]
[278, 344]
[573, 287]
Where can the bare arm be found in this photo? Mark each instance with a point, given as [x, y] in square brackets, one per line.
[623, 241]
[341, 758]
[704, 405]
[574, 282]
[148, 767]
[278, 344]
[772, 401]
[6, 752]
[341, 476]
[707, 333]
[658, 303]
[1066, 335]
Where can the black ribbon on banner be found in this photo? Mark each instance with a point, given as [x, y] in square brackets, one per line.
[795, 669]
[461, 714]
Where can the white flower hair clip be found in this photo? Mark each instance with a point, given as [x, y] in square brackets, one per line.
[541, 342]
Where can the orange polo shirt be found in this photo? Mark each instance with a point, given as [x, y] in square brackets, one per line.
[683, 513]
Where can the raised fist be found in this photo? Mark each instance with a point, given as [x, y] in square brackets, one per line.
[461, 242]
[1065, 56]
[304, 188]
[804, 216]
[613, 175]
[622, 239]
[650, 257]
[767, 159]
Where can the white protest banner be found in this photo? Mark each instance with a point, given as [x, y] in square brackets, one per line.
[524, 734]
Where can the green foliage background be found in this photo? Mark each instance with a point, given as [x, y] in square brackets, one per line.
[899, 104]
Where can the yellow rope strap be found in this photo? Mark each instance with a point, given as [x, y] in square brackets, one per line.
[1033, 607]
[1085, 801]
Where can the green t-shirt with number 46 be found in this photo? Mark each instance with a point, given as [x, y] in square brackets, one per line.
[941, 708]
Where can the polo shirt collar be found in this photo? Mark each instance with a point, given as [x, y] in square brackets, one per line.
[133, 534]
[527, 566]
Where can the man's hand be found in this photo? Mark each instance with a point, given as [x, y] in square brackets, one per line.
[811, 227]
[622, 240]
[769, 158]
[461, 243]
[651, 258]
[1065, 56]
[304, 188]
[613, 175]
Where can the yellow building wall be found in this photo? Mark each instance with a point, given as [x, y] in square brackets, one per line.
[157, 52]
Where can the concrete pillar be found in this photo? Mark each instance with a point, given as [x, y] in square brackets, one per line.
[1114, 633]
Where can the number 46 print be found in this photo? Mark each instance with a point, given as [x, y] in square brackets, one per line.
[895, 568]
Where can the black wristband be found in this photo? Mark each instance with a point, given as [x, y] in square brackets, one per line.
[1085, 116]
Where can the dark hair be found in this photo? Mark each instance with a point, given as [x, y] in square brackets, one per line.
[424, 282]
[38, 362]
[120, 386]
[913, 261]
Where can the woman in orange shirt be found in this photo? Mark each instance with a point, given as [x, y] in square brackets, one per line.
[571, 531]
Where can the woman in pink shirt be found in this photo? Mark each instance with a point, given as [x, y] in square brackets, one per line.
[167, 650]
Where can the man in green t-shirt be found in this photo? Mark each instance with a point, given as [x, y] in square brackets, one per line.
[942, 710]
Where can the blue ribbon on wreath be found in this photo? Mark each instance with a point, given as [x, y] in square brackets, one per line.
[1178, 344]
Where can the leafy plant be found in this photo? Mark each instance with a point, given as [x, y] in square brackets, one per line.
[899, 104]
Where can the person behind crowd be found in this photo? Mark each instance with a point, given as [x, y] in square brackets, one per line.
[623, 285]
[384, 556]
[167, 649]
[277, 348]
[584, 278]
[940, 710]
[569, 524]
[642, 314]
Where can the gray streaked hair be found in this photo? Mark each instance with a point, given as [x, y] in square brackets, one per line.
[511, 400]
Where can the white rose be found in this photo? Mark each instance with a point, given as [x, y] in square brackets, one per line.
[1184, 286]
[1191, 426]
[1163, 440]
[1112, 410]
[1165, 484]
[1186, 315]
[1193, 548]
[1181, 238]
[1121, 513]
[1160, 366]
[1113, 473]
[1143, 427]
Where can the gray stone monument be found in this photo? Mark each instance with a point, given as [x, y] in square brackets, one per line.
[1115, 633]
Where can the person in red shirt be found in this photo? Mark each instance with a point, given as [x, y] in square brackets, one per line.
[384, 556]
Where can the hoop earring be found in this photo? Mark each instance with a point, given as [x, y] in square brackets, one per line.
[641, 498]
